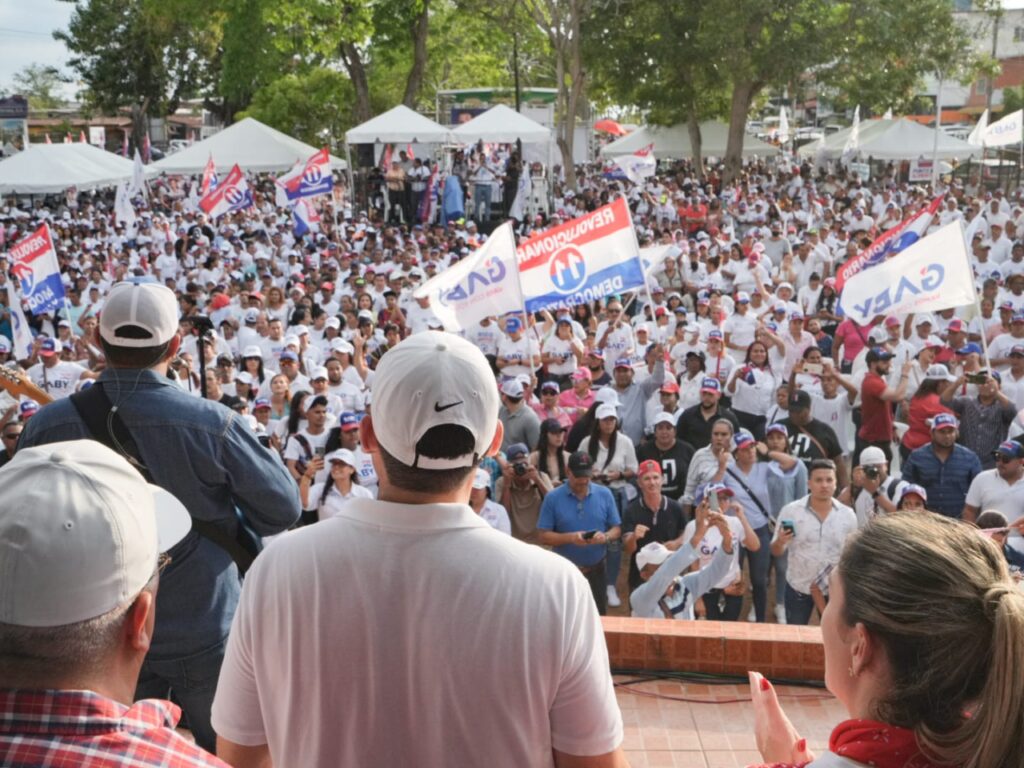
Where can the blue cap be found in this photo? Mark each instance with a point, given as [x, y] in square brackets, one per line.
[516, 451]
[512, 324]
[624, 362]
[1009, 448]
[945, 421]
[710, 385]
[720, 488]
[288, 355]
[910, 488]
[714, 333]
[743, 438]
[778, 426]
[969, 349]
[348, 421]
[261, 402]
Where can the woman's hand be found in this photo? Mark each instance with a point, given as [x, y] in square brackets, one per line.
[777, 739]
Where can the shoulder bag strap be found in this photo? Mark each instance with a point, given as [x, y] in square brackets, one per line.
[751, 494]
[816, 442]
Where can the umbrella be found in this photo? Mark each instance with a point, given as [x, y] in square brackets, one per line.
[610, 126]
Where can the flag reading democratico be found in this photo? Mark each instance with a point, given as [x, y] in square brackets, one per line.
[231, 195]
[34, 264]
[582, 260]
[932, 274]
[890, 242]
[484, 283]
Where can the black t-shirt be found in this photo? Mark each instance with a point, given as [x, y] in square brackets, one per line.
[804, 448]
[232, 402]
[669, 526]
[674, 464]
[696, 430]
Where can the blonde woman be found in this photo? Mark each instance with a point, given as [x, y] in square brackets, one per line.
[924, 647]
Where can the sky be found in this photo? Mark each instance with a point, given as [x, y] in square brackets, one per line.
[26, 36]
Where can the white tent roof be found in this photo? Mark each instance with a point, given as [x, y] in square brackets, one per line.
[52, 168]
[399, 125]
[501, 125]
[674, 142]
[899, 139]
[248, 143]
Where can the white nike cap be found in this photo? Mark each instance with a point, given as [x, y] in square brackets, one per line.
[431, 379]
[80, 532]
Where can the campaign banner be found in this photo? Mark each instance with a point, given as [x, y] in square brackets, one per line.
[484, 284]
[310, 178]
[1004, 132]
[582, 260]
[34, 264]
[892, 241]
[932, 274]
[920, 170]
[23, 336]
[231, 195]
[654, 256]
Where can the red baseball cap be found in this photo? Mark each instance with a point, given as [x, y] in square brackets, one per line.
[646, 467]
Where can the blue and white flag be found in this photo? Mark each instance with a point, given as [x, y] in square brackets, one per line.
[310, 178]
[22, 333]
[484, 284]
[34, 264]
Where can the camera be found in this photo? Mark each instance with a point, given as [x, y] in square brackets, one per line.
[980, 377]
[519, 469]
[872, 473]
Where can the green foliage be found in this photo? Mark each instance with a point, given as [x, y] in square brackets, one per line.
[40, 85]
[1013, 99]
[311, 106]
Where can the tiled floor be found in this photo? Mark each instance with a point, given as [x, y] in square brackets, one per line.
[660, 731]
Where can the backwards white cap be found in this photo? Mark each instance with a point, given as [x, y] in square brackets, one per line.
[150, 307]
[431, 379]
[80, 531]
[654, 553]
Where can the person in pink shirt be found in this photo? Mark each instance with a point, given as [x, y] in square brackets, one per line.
[577, 400]
[850, 339]
[548, 407]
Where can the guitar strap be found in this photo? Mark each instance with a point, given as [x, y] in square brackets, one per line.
[96, 410]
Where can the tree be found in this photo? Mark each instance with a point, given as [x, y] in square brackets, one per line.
[146, 55]
[312, 106]
[562, 21]
[40, 85]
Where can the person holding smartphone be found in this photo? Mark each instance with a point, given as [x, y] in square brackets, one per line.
[812, 530]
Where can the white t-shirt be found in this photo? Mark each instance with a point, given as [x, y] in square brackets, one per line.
[496, 516]
[837, 413]
[333, 655]
[989, 491]
[59, 381]
[335, 499]
[711, 543]
[522, 350]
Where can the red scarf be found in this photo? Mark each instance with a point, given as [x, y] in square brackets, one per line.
[872, 743]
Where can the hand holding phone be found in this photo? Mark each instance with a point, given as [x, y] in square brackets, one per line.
[588, 535]
[788, 527]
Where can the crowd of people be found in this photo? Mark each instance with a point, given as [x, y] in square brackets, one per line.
[725, 433]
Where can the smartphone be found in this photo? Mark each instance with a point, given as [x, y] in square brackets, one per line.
[319, 451]
[815, 369]
[589, 535]
[713, 501]
[979, 377]
[788, 527]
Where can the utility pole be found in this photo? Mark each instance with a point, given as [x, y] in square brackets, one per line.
[996, 16]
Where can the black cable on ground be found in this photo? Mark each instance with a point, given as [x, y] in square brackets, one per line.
[704, 678]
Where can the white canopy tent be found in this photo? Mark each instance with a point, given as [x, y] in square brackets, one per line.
[898, 139]
[249, 144]
[674, 142]
[399, 125]
[501, 125]
[52, 168]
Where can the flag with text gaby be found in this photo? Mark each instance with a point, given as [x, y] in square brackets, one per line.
[309, 178]
[230, 195]
[582, 260]
[34, 264]
[893, 240]
[932, 274]
[484, 284]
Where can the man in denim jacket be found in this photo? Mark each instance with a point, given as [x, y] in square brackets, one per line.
[209, 458]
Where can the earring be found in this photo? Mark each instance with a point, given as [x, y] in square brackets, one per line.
[850, 670]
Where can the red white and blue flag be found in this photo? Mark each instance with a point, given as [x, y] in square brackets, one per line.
[310, 178]
[588, 258]
[233, 194]
[34, 264]
[209, 177]
[639, 165]
[304, 217]
[889, 243]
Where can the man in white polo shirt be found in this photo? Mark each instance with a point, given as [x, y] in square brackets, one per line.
[349, 647]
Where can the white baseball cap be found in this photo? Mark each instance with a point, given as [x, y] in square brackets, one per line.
[149, 307]
[481, 479]
[872, 455]
[342, 454]
[252, 351]
[654, 553]
[80, 531]
[340, 345]
[607, 395]
[605, 410]
[433, 379]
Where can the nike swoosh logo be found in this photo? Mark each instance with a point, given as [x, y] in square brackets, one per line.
[438, 407]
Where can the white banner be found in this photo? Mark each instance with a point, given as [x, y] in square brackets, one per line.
[484, 284]
[23, 340]
[920, 170]
[98, 136]
[1004, 132]
[932, 274]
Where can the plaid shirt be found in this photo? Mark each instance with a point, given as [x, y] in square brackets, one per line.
[86, 730]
